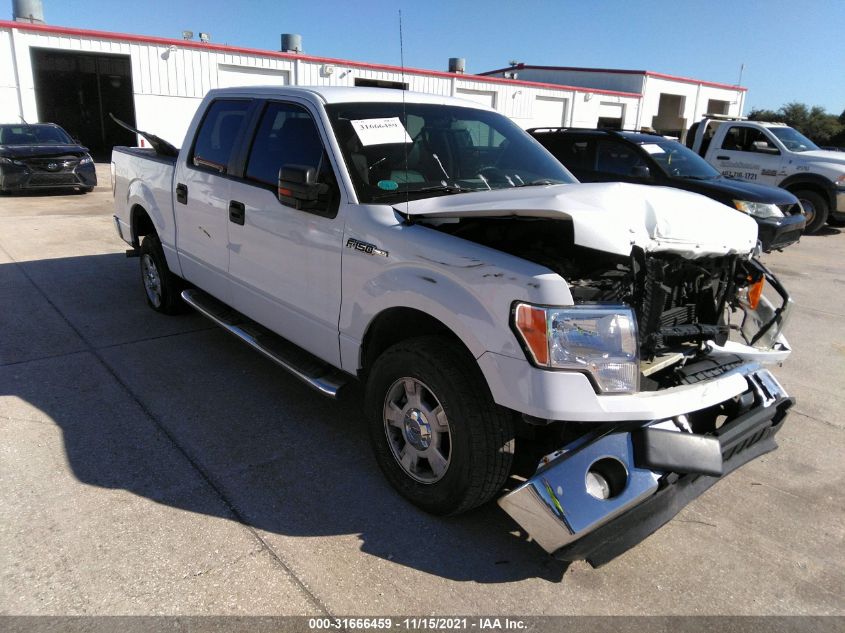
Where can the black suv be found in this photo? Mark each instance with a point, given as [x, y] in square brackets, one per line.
[650, 159]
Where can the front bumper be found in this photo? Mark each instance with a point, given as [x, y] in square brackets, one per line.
[780, 232]
[556, 508]
[840, 202]
[17, 178]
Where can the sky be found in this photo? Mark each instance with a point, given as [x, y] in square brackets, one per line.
[792, 50]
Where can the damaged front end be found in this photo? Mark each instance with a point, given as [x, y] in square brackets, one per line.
[698, 320]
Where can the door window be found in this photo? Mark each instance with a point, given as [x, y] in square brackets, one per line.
[617, 158]
[743, 139]
[217, 134]
[287, 135]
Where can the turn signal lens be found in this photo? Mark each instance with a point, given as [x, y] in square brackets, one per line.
[531, 324]
[755, 291]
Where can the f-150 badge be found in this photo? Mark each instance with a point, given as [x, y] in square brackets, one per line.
[364, 247]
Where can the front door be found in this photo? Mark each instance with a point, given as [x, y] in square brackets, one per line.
[284, 263]
[748, 154]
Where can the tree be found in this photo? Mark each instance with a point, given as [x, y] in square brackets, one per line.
[814, 122]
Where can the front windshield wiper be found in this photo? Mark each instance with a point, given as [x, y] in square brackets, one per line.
[444, 188]
[540, 182]
[699, 177]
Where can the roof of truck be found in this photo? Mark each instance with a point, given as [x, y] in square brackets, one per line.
[342, 94]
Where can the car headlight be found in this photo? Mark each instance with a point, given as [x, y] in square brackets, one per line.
[600, 340]
[10, 161]
[86, 160]
[840, 182]
[758, 209]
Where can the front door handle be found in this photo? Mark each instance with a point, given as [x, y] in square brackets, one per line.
[723, 158]
[237, 212]
[182, 193]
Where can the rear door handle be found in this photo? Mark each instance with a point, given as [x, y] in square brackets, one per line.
[237, 212]
[182, 193]
[723, 158]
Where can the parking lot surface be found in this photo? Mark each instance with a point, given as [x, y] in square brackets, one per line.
[155, 465]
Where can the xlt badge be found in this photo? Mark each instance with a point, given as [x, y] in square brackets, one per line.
[364, 247]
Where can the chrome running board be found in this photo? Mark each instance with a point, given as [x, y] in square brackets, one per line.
[305, 366]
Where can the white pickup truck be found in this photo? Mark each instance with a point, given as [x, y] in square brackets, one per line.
[776, 154]
[614, 335]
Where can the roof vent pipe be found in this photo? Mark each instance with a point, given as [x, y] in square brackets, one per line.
[28, 11]
[291, 43]
[457, 65]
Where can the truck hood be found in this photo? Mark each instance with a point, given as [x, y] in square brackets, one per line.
[611, 217]
[37, 151]
[823, 156]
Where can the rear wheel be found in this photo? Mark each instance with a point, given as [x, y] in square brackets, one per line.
[161, 287]
[815, 209]
[437, 435]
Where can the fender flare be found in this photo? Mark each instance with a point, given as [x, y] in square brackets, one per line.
[814, 181]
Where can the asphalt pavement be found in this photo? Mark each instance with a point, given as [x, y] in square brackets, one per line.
[155, 465]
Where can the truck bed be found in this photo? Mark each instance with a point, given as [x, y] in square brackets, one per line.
[145, 152]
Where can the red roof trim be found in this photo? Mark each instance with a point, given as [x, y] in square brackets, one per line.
[620, 71]
[164, 41]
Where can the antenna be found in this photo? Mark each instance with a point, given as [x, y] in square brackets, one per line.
[23, 119]
[741, 69]
[404, 121]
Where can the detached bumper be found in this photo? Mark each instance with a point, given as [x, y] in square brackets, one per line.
[644, 484]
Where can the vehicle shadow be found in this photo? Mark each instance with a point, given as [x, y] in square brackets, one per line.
[826, 231]
[177, 411]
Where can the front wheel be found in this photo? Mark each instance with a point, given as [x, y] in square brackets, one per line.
[437, 435]
[162, 288]
[815, 210]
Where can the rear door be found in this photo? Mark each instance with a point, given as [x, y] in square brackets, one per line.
[747, 153]
[284, 262]
[201, 196]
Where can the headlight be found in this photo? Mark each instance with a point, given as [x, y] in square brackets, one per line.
[9, 161]
[840, 182]
[758, 209]
[86, 160]
[597, 339]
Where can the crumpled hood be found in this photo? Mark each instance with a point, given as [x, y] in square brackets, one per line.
[611, 217]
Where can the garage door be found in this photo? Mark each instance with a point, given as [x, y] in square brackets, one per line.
[232, 76]
[549, 112]
[479, 96]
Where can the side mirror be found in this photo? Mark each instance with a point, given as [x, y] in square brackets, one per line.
[764, 148]
[298, 187]
[640, 171]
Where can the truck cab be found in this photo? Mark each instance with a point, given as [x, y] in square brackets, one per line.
[776, 154]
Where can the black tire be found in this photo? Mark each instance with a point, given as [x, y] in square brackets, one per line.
[837, 222]
[815, 208]
[480, 434]
[162, 288]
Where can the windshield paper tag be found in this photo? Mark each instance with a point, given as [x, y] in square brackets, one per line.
[381, 131]
[651, 148]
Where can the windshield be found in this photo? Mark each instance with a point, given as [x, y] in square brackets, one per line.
[676, 160]
[793, 140]
[395, 151]
[33, 135]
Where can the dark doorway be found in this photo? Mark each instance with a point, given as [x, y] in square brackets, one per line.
[78, 90]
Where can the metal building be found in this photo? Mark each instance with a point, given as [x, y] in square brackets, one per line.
[76, 77]
[669, 104]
